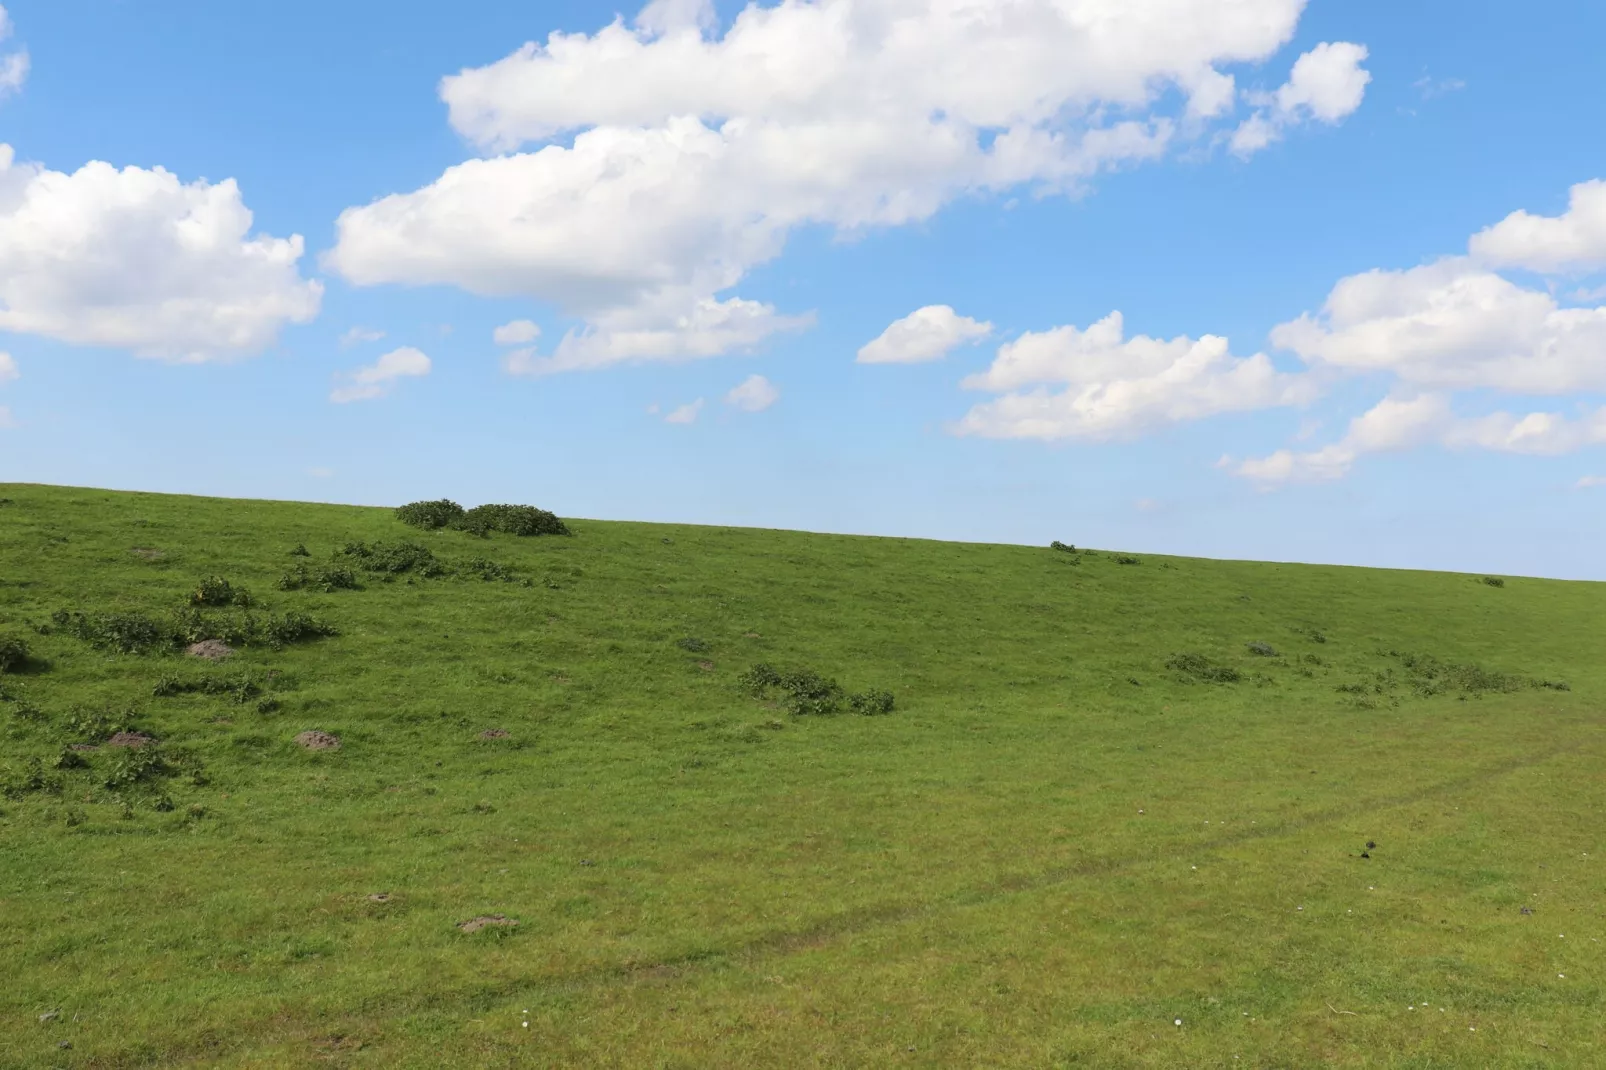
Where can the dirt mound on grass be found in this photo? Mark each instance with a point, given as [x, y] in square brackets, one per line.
[474, 925]
[129, 739]
[495, 733]
[210, 649]
[316, 740]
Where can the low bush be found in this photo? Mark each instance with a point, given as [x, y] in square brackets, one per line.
[1064, 548]
[295, 628]
[1202, 668]
[1262, 650]
[482, 568]
[431, 515]
[393, 559]
[240, 688]
[13, 653]
[32, 778]
[871, 702]
[1127, 559]
[326, 580]
[136, 766]
[696, 646]
[93, 726]
[301, 550]
[125, 633]
[1494, 581]
[217, 591]
[512, 520]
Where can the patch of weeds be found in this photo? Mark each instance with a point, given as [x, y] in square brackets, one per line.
[1199, 667]
[872, 702]
[327, 580]
[1555, 685]
[696, 646]
[268, 705]
[295, 628]
[430, 515]
[1064, 548]
[1430, 676]
[483, 568]
[135, 766]
[803, 691]
[301, 550]
[1312, 659]
[68, 758]
[193, 626]
[1127, 559]
[217, 591]
[13, 653]
[124, 633]
[394, 559]
[1494, 581]
[241, 689]
[32, 778]
[1312, 634]
[1261, 650]
[94, 726]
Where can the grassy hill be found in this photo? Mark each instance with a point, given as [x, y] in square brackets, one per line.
[1094, 811]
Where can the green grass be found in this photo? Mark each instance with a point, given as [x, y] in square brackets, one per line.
[1054, 847]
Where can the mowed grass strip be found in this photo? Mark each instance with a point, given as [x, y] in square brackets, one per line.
[1054, 848]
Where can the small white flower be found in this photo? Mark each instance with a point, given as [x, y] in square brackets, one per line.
[1179, 1021]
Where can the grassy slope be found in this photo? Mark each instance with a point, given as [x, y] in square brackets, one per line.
[1035, 861]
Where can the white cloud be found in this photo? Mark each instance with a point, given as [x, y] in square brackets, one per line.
[516, 333]
[1402, 423]
[651, 165]
[1574, 241]
[13, 65]
[1117, 387]
[359, 335]
[925, 334]
[1326, 85]
[137, 259]
[8, 368]
[379, 378]
[686, 414]
[1590, 481]
[708, 329]
[1452, 324]
[753, 394]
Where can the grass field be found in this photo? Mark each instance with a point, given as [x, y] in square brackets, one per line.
[1065, 840]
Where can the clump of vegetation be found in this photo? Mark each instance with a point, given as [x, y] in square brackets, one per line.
[217, 591]
[696, 646]
[394, 558]
[521, 520]
[804, 691]
[1064, 548]
[95, 725]
[431, 515]
[1127, 559]
[482, 519]
[1199, 667]
[1430, 676]
[301, 550]
[124, 633]
[1262, 650]
[1312, 634]
[483, 568]
[13, 653]
[32, 778]
[295, 628]
[241, 688]
[326, 580]
[1494, 581]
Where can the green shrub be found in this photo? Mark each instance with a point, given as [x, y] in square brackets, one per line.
[241, 688]
[137, 765]
[485, 569]
[1200, 667]
[301, 550]
[125, 633]
[32, 778]
[803, 691]
[430, 515]
[1127, 559]
[217, 591]
[1494, 581]
[327, 580]
[295, 628]
[512, 520]
[13, 653]
[696, 646]
[1063, 548]
[871, 702]
[93, 726]
[394, 559]
[1262, 650]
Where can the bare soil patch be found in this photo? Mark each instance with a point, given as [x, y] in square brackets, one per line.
[380, 897]
[316, 740]
[146, 553]
[210, 649]
[129, 739]
[495, 733]
[706, 666]
[474, 925]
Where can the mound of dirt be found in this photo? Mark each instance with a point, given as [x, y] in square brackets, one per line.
[316, 740]
[706, 666]
[129, 739]
[495, 733]
[474, 925]
[379, 897]
[210, 649]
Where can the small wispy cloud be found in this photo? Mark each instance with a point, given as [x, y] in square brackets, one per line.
[379, 378]
[686, 414]
[753, 394]
[357, 336]
[517, 333]
[1430, 87]
[1590, 481]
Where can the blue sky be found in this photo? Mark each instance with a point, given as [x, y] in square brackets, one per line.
[764, 194]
